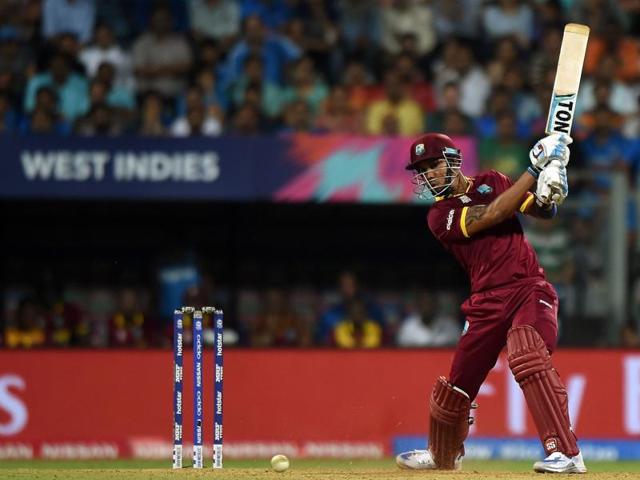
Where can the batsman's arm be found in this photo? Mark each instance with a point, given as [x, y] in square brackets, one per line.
[480, 217]
[534, 208]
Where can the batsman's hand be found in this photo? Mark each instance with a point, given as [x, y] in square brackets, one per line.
[552, 184]
[551, 147]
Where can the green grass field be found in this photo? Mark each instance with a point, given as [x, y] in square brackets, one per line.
[300, 469]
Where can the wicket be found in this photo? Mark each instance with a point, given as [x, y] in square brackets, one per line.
[196, 316]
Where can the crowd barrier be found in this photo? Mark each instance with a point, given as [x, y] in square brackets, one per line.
[315, 403]
[293, 168]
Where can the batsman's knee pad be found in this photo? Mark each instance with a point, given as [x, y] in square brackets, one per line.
[546, 396]
[449, 423]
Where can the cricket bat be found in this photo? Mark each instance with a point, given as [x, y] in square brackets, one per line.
[568, 73]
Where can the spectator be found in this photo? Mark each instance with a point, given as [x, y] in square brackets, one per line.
[41, 122]
[414, 83]
[315, 32]
[501, 100]
[277, 324]
[69, 16]
[151, 121]
[205, 79]
[246, 120]
[118, 96]
[456, 123]
[622, 100]
[47, 99]
[105, 49]
[359, 25]
[28, 21]
[509, 17]
[545, 57]
[7, 115]
[272, 13]
[359, 82]
[215, 19]
[270, 93]
[401, 17]
[524, 103]
[349, 290]
[629, 336]
[45, 117]
[71, 89]
[128, 322]
[161, 58]
[209, 57]
[68, 45]
[100, 120]
[336, 115]
[506, 56]
[612, 42]
[356, 329]
[457, 64]
[396, 105]
[305, 85]
[605, 148]
[275, 51]
[28, 329]
[601, 97]
[599, 14]
[298, 117]
[66, 326]
[196, 121]
[449, 22]
[426, 327]
[504, 153]
[97, 92]
[16, 61]
[449, 107]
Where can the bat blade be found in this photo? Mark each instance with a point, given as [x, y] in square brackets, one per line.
[567, 82]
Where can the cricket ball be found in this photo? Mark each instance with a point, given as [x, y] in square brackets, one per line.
[280, 463]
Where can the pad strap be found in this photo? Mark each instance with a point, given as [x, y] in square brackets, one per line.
[449, 423]
[543, 390]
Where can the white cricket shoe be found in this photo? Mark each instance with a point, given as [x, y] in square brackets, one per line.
[558, 462]
[421, 460]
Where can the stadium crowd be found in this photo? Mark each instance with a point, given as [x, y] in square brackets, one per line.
[249, 67]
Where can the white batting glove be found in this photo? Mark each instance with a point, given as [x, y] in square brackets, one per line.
[552, 184]
[552, 147]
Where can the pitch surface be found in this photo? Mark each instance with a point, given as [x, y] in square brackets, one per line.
[300, 469]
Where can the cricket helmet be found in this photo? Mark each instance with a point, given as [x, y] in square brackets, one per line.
[432, 146]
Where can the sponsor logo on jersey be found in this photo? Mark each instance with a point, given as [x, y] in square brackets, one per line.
[484, 189]
[546, 303]
[465, 199]
[420, 149]
[450, 219]
[550, 444]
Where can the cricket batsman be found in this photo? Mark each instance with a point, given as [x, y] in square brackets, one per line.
[511, 302]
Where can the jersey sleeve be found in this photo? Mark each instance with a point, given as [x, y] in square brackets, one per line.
[448, 224]
[501, 180]
[505, 182]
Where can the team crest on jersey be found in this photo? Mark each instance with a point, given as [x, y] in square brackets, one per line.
[420, 149]
[464, 199]
[484, 189]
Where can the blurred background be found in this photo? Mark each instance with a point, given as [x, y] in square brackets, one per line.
[87, 265]
[249, 154]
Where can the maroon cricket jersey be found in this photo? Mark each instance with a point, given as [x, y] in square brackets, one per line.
[495, 257]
